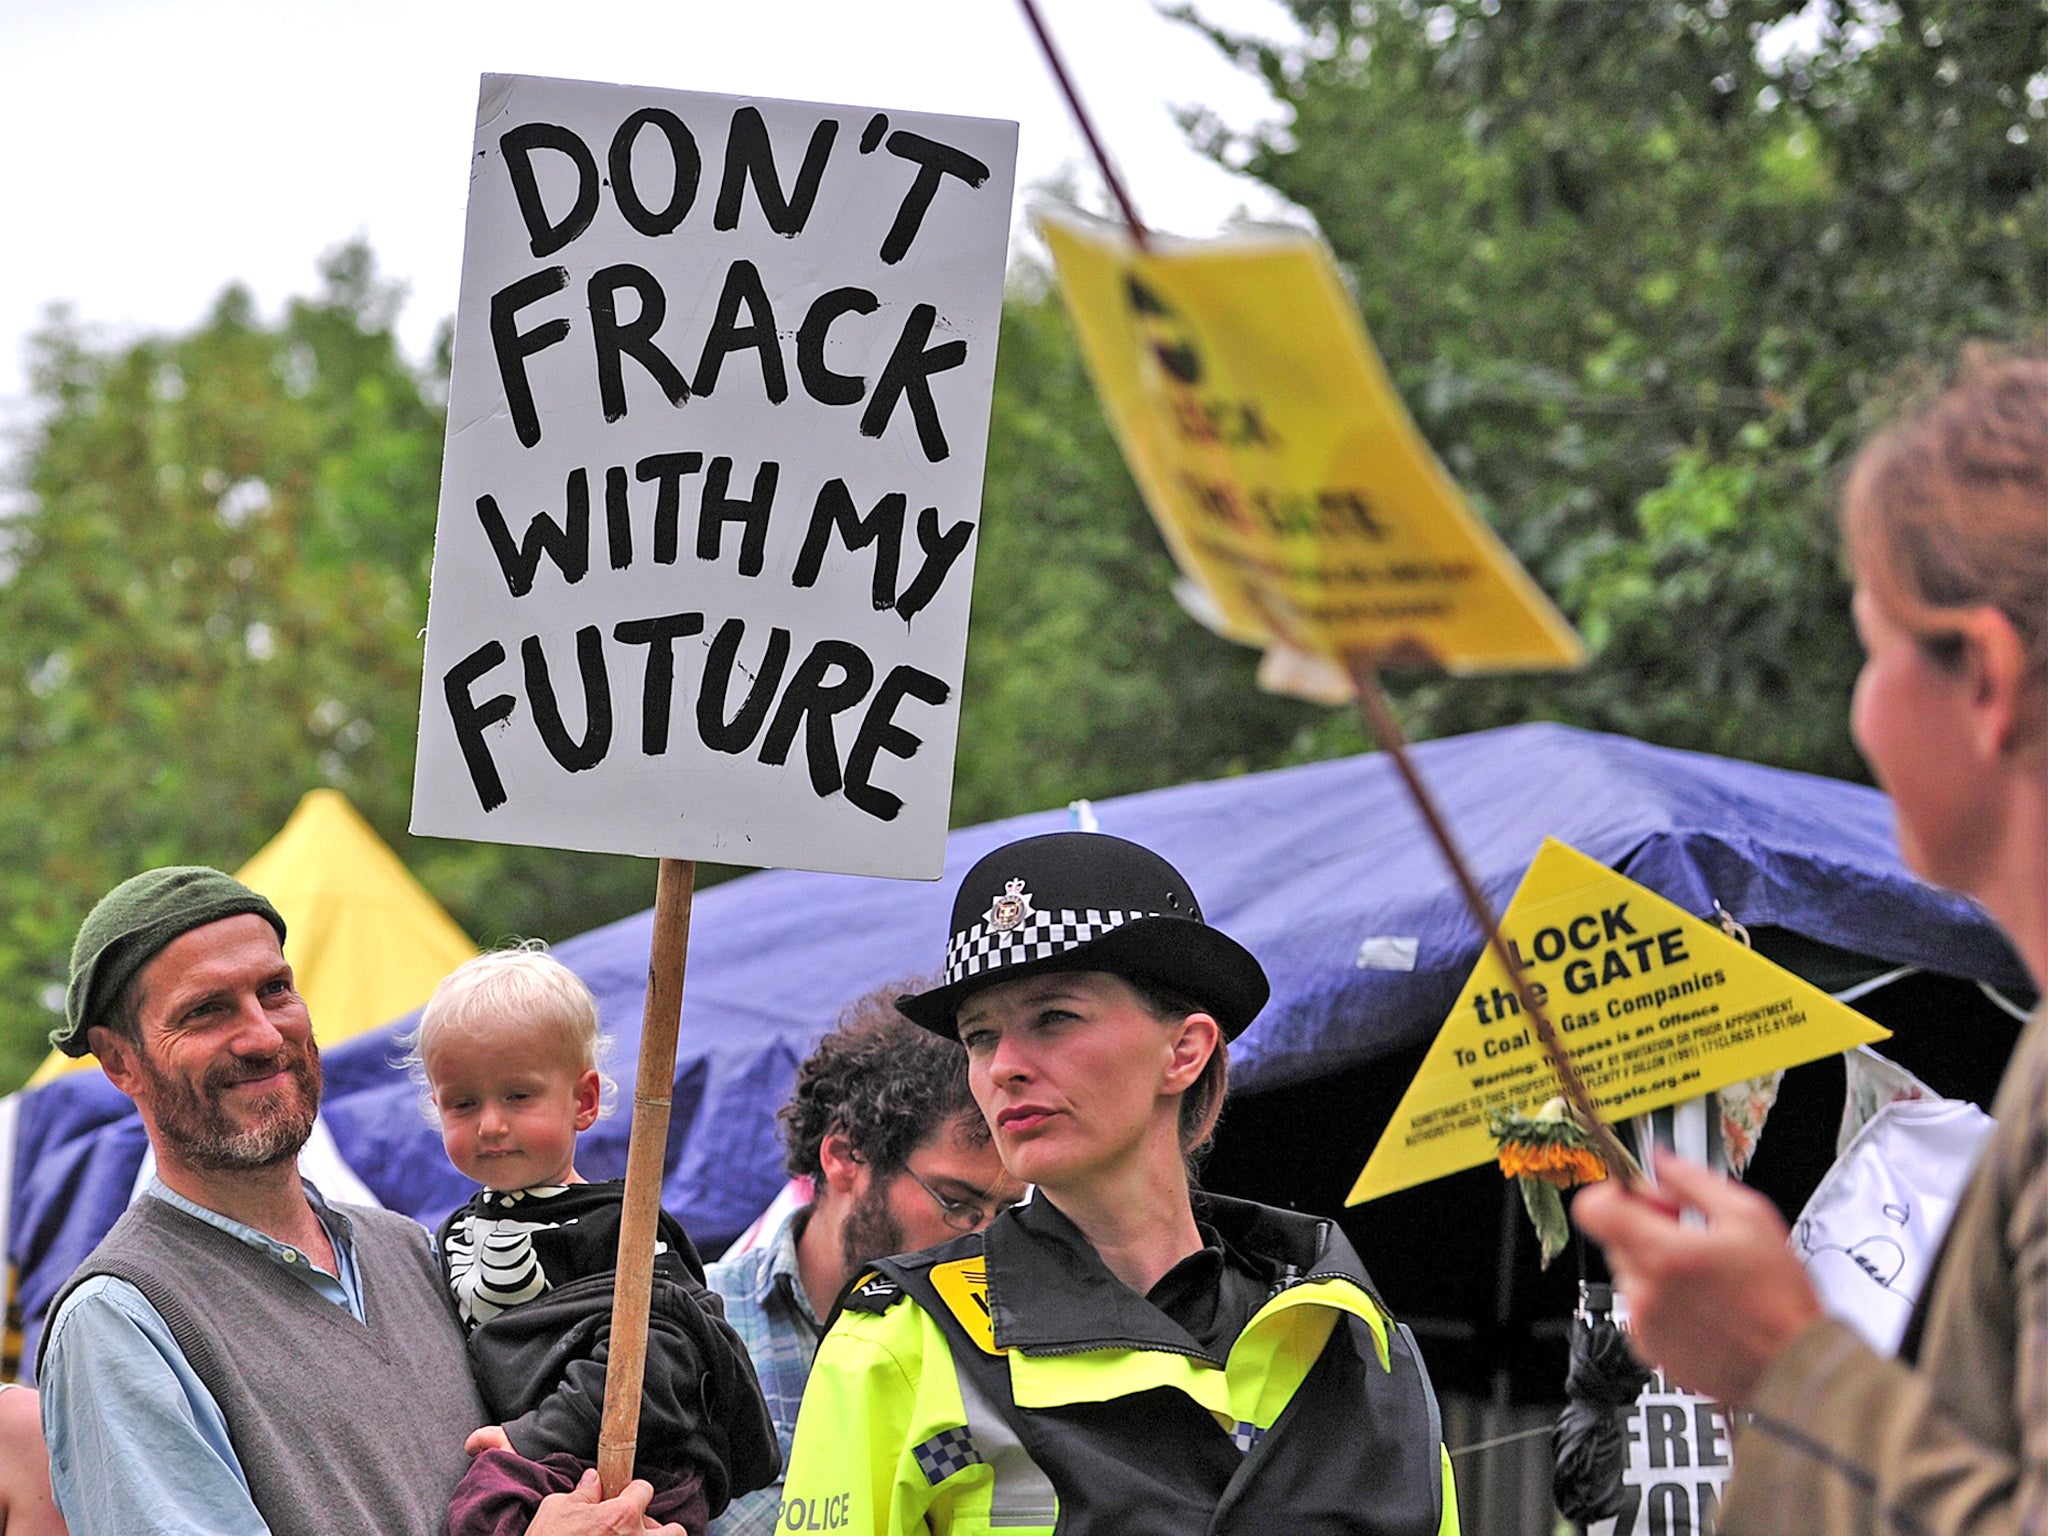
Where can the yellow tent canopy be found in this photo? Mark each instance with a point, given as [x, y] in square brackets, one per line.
[366, 941]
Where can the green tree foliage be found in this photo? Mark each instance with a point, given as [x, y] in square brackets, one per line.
[1084, 677]
[1645, 270]
[189, 643]
[1642, 268]
[217, 580]
[214, 587]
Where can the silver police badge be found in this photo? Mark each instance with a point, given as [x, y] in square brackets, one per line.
[1010, 909]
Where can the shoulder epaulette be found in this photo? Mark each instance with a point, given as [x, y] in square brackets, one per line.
[872, 1292]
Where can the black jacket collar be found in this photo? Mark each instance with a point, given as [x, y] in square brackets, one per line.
[1050, 1293]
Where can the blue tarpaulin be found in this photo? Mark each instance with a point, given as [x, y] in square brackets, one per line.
[1324, 871]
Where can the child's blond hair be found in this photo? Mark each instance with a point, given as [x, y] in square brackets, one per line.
[523, 982]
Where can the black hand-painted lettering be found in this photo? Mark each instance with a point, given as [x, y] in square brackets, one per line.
[934, 162]
[718, 508]
[727, 335]
[813, 693]
[470, 719]
[880, 733]
[689, 166]
[668, 469]
[871, 135]
[883, 527]
[572, 754]
[568, 547]
[820, 382]
[941, 548]
[635, 338]
[548, 236]
[908, 374]
[514, 346]
[737, 734]
[657, 692]
[750, 157]
[1176, 354]
[618, 518]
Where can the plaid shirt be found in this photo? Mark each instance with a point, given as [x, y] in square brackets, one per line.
[765, 1303]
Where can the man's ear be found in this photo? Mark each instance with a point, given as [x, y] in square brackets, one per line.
[842, 1167]
[1194, 1042]
[118, 1057]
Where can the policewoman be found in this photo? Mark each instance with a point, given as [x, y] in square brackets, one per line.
[1118, 1356]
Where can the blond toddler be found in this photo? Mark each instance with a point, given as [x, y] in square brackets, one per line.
[508, 1052]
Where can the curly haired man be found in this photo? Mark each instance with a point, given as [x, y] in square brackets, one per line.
[882, 1125]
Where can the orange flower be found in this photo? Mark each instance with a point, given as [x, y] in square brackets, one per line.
[1546, 1153]
[1556, 1163]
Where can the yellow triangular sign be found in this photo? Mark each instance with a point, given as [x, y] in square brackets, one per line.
[1654, 1005]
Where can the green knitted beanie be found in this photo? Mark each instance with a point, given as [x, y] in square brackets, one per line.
[135, 920]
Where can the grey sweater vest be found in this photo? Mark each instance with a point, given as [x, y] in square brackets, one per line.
[342, 1428]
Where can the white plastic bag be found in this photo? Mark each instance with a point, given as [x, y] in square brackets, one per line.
[1870, 1232]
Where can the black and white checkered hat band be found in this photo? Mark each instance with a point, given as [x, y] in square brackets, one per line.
[982, 949]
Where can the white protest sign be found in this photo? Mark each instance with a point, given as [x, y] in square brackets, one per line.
[1678, 1464]
[716, 430]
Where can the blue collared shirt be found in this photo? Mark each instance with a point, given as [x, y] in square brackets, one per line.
[138, 1446]
[765, 1303]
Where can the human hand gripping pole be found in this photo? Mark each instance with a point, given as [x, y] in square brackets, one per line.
[1712, 1303]
[587, 1512]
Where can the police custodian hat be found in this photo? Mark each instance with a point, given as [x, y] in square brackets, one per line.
[1086, 901]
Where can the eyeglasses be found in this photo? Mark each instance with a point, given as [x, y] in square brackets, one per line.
[960, 1215]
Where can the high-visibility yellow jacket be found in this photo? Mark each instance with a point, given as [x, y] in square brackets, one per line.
[1007, 1381]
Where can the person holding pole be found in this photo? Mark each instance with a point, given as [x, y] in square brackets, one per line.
[1945, 522]
[507, 1049]
[1119, 1353]
[238, 1356]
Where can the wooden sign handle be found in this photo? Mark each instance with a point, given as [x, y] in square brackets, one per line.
[1372, 702]
[626, 1365]
[1380, 719]
[1139, 235]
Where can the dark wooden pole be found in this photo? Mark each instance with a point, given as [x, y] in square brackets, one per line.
[1381, 721]
[1086, 124]
[1372, 704]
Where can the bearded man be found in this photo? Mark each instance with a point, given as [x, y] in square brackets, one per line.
[898, 1158]
[238, 1356]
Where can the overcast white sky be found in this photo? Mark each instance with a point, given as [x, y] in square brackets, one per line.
[157, 149]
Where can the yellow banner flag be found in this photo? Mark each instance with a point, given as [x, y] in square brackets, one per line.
[1291, 485]
[1653, 1004]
